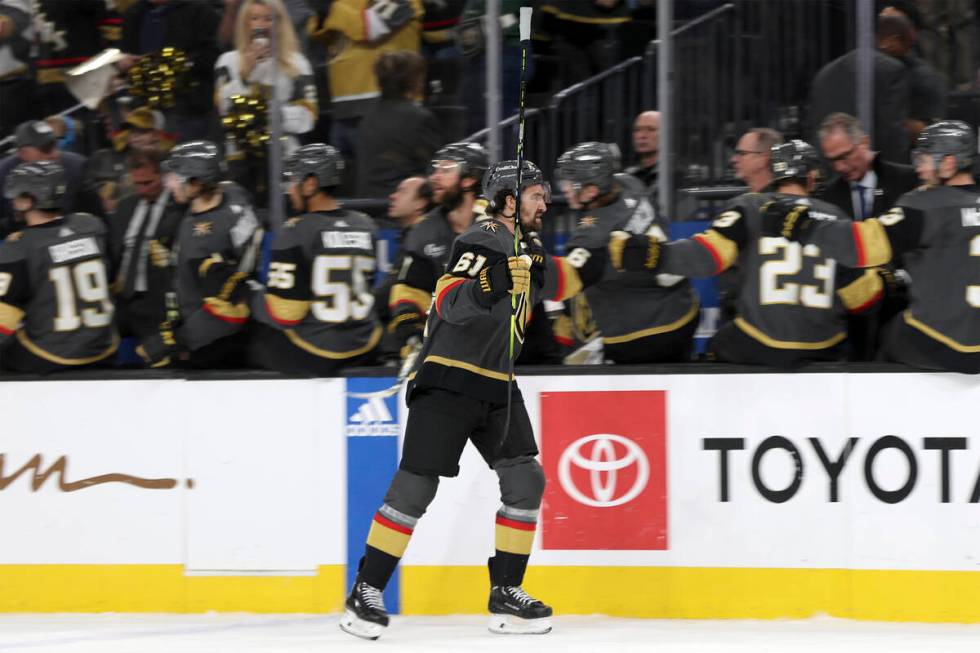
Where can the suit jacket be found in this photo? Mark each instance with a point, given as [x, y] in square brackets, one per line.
[833, 90]
[397, 140]
[894, 180]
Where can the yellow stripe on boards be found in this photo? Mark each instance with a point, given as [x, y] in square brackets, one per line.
[710, 593]
[164, 588]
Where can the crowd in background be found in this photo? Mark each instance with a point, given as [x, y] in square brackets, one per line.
[373, 80]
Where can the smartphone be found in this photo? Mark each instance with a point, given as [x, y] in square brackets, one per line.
[261, 36]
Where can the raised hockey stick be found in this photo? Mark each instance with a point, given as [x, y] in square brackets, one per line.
[525, 33]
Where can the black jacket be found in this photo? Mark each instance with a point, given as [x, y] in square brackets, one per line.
[192, 27]
[397, 140]
[833, 89]
[894, 180]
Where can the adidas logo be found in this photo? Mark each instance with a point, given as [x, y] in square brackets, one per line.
[64, 232]
[340, 223]
[372, 419]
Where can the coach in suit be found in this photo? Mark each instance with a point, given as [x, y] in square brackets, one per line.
[833, 90]
[866, 184]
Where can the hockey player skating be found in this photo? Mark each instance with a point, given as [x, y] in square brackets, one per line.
[936, 231]
[792, 300]
[459, 392]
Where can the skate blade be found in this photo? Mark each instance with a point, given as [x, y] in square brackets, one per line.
[354, 625]
[505, 624]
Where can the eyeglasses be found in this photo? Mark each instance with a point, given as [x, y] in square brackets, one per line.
[747, 152]
[842, 156]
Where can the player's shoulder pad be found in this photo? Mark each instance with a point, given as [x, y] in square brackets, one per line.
[12, 248]
[87, 222]
[484, 233]
[824, 210]
[358, 220]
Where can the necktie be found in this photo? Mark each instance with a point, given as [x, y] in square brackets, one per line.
[861, 201]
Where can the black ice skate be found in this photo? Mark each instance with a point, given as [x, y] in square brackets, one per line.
[365, 615]
[514, 612]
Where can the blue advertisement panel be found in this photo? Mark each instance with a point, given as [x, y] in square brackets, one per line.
[372, 458]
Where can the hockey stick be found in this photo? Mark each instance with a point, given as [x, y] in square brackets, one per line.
[525, 33]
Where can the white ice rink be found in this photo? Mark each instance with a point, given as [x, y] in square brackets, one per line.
[238, 633]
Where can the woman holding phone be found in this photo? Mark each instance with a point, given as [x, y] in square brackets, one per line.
[252, 69]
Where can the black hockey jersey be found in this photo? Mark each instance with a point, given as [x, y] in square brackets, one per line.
[216, 254]
[54, 291]
[319, 287]
[937, 232]
[790, 296]
[626, 306]
[426, 251]
[68, 33]
[467, 347]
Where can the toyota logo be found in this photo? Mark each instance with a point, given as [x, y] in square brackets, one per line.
[603, 467]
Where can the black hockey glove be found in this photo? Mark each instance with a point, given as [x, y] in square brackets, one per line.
[633, 252]
[509, 276]
[159, 349]
[405, 326]
[535, 249]
[786, 218]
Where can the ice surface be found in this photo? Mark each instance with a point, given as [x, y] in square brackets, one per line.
[247, 633]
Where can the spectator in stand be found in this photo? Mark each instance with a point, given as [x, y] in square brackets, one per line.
[36, 141]
[471, 43]
[106, 170]
[16, 85]
[356, 33]
[141, 233]
[189, 26]
[398, 135]
[927, 89]
[949, 38]
[299, 13]
[833, 91]
[69, 33]
[646, 146]
[585, 34]
[751, 157]
[250, 67]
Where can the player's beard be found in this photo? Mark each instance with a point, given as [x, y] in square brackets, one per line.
[452, 198]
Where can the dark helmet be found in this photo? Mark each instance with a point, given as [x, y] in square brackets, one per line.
[42, 180]
[317, 159]
[502, 177]
[472, 158]
[199, 160]
[590, 163]
[794, 159]
[949, 138]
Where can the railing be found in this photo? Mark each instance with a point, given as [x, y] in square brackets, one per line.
[747, 63]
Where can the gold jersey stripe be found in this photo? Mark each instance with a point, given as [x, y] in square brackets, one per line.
[401, 292]
[308, 347]
[388, 540]
[874, 248]
[469, 367]
[941, 337]
[10, 317]
[652, 331]
[513, 540]
[54, 358]
[225, 310]
[861, 291]
[755, 334]
[287, 310]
